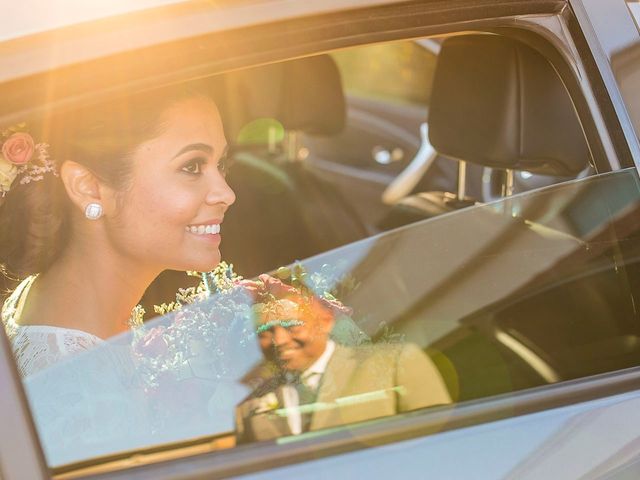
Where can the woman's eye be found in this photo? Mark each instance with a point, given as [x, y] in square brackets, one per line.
[194, 167]
[223, 165]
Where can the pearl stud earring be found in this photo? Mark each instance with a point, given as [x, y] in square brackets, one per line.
[93, 211]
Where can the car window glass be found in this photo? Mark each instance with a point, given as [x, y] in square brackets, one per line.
[387, 88]
[634, 8]
[400, 72]
[474, 312]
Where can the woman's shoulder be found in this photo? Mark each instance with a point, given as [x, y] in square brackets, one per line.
[38, 346]
[66, 340]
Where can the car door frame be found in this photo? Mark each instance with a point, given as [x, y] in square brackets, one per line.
[607, 48]
[22, 455]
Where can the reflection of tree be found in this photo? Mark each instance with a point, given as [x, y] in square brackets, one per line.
[425, 277]
[482, 284]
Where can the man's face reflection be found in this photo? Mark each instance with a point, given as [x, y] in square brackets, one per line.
[293, 336]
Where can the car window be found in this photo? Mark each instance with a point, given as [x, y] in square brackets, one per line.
[387, 88]
[373, 159]
[634, 8]
[333, 307]
[474, 313]
[400, 72]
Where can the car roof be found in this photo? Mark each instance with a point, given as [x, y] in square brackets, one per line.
[34, 16]
[33, 43]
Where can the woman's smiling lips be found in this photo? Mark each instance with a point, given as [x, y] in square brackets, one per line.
[207, 230]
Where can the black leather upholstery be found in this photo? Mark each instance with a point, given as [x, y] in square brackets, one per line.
[499, 103]
[304, 94]
[314, 101]
[283, 211]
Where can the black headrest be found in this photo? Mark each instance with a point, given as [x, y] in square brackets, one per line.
[499, 103]
[303, 94]
[314, 100]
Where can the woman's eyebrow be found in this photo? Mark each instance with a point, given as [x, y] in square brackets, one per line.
[202, 147]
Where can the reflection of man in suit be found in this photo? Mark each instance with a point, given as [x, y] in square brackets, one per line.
[308, 382]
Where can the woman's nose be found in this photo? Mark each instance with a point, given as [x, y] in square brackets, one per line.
[220, 191]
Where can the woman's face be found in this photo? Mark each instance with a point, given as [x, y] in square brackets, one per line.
[170, 217]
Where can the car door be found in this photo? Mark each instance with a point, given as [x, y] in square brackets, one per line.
[478, 290]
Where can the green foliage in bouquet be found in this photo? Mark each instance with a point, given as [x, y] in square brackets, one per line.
[207, 327]
[203, 325]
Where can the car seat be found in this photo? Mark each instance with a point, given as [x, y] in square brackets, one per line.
[283, 211]
[497, 103]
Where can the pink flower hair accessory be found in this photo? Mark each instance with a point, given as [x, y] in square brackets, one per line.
[21, 157]
[18, 148]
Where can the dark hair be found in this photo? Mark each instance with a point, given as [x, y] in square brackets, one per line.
[35, 217]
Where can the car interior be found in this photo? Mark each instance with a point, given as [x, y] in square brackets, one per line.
[499, 118]
[507, 118]
[304, 97]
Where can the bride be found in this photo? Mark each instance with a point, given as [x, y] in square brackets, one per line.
[98, 201]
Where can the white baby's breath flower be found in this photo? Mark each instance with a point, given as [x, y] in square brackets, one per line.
[8, 173]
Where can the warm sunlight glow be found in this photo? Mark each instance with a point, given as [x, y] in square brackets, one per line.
[33, 16]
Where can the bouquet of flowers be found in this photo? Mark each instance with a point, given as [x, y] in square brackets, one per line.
[211, 324]
[198, 326]
[191, 360]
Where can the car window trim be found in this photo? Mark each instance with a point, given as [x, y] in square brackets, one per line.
[20, 453]
[597, 72]
[80, 81]
[263, 456]
[312, 35]
[4, 361]
[595, 37]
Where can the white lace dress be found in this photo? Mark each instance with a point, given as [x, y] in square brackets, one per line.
[38, 346]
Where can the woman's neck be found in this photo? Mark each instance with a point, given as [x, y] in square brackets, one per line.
[87, 289]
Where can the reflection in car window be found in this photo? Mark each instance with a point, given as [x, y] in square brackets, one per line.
[475, 312]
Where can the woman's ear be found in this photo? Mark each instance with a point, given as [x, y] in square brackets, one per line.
[82, 186]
